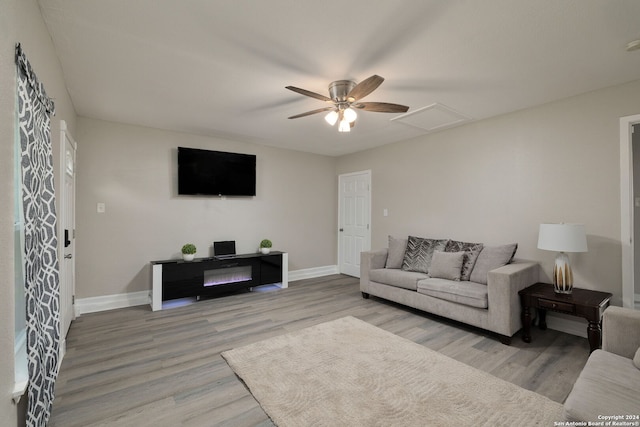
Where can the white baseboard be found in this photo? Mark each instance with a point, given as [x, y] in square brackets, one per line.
[311, 273]
[110, 302]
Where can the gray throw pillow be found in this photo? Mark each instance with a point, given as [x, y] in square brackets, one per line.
[419, 251]
[490, 258]
[471, 252]
[395, 256]
[446, 265]
[636, 358]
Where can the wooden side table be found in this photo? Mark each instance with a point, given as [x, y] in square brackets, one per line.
[581, 303]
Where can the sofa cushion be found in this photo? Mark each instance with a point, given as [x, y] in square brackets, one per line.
[636, 358]
[419, 252]
[608, 384]
[467, 293]
[446, 265]
[471, 252]
[490, 258]
[397, 247]
[396, 277]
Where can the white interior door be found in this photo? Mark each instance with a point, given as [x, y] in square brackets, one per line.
[635, 212]
[67, 232]
[354, 234]
[627, 209]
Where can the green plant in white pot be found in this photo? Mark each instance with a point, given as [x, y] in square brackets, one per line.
[188, 252]
[265, 246]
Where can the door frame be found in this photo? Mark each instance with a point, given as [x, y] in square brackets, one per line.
[64, 136]
[627, 209]
[340, 178]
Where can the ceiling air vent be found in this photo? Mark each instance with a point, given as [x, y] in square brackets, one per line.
[432, 117]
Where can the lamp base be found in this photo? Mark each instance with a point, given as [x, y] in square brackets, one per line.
[562, 275]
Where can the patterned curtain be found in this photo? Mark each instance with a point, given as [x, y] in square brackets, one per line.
[41, 244]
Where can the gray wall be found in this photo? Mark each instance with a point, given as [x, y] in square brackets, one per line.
[20, 21]
[8, 411]
[133, 170]
[496, 180]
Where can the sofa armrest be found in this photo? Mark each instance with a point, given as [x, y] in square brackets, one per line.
[368, 261]
[621, 331]
[503, 284]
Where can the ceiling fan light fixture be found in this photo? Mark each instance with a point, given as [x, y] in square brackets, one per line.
[332, 117]
[345, 96]
[344, 126]
[350, 115]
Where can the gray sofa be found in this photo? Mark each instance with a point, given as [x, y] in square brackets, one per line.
[609, 384]
[490, 302]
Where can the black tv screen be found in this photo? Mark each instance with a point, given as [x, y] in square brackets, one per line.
[216, 173]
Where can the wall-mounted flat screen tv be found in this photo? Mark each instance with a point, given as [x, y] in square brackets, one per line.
[216, 173]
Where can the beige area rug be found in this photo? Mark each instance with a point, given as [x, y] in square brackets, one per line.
[349, 373]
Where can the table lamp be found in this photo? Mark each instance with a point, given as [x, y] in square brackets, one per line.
[562, 238]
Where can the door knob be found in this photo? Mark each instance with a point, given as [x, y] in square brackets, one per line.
[341, 230]
[68, 256]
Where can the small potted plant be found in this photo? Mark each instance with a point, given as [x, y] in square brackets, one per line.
[265, 246]
[188, 251]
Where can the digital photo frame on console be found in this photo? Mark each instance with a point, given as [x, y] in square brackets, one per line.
[224, 249]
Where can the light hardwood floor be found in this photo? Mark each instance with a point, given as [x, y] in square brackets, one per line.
[135, 367]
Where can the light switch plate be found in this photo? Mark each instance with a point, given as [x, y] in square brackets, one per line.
[100, 208]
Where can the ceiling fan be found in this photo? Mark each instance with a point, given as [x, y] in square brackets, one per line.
[345, 96]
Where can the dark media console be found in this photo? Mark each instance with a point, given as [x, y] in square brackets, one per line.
[173, 279]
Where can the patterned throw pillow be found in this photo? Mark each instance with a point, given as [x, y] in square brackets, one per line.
[419, 252]
[471, 252]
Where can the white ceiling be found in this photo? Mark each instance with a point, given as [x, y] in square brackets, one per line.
[220, 67]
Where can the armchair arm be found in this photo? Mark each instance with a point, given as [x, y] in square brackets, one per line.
[503, 284]
[621, 331]
[369, 261]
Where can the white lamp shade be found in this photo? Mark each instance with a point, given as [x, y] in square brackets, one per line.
[344, 126]
[332, 117]
[350, 115]
[562, 237]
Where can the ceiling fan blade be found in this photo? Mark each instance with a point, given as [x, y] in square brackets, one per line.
[309, 93]
[381, 107]
[308, 113]
[364, 88]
